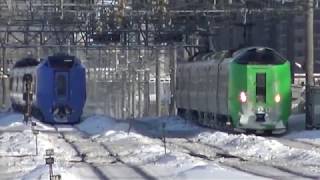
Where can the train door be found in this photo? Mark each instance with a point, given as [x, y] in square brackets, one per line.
[61, 86]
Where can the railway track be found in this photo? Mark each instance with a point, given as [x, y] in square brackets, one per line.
[273, 169]
[113, 156]
[81, 155]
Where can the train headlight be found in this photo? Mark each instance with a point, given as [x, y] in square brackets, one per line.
[277, 98]
[243, 97]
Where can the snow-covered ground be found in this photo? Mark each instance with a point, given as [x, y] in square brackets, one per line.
[103, 148]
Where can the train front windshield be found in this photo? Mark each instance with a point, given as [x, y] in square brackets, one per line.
[61, 85]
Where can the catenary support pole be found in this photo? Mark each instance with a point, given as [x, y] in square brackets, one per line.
[139, 92]
[158, 105]
[146, 93]
[173, 65]
[133, 95]
[309, 64]
[4, 93]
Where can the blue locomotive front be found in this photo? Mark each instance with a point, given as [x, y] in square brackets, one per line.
[59, 89]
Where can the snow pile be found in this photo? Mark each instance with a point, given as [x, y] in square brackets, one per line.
[248, 145]
[260, 148]
[134, 147]
[139, 150]
[17, 144]
[114, 135]
[210, 172]
[101, 124]
[18, 154]
[67, 172]
[171, 124]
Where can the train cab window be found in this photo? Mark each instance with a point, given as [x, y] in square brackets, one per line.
[61, 85]
[259, 56]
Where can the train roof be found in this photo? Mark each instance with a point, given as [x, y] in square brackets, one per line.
[60, 56]
[211, 56]
[61, 60]
[254, 48]
[26, 62]
[258, 55]
[248, 55]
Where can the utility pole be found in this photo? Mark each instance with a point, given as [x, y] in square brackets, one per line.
[309, 64]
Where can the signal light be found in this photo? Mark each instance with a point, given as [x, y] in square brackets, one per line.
[277, 98]
[243, 97]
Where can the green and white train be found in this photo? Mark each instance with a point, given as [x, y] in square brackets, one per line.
[249, 91]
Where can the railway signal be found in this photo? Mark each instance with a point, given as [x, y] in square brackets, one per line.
[49, 152]
[27, 96]
[33, 124]
[35, 132]
[50, 161]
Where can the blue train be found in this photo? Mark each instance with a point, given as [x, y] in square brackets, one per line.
[58, 86]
